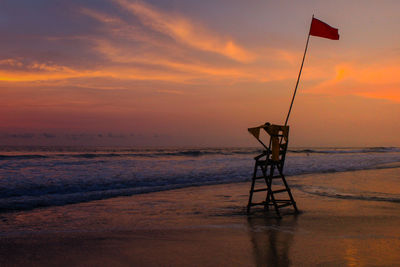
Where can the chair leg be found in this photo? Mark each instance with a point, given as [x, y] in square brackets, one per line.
[288, 190]
[268, 175]
[252, 188]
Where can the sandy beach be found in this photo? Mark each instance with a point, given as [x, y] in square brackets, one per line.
[208, 226]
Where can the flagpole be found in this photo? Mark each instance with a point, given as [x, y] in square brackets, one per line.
[298, 77]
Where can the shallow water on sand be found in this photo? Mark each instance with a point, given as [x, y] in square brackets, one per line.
[208, 226]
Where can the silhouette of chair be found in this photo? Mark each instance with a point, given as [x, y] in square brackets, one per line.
[272, 159]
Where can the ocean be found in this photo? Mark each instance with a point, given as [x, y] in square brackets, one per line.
[32, 177]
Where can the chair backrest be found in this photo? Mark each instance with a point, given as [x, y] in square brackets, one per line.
[279, 138]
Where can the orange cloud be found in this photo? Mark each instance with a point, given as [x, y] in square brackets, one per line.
[119, 55]
[11, 62]
[129, 47]
[171, 92]
[186, 32]
[43, 72]
[378, 80]
[132, 68]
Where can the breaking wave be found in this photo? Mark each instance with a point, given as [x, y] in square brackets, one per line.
[366, 196]
[48, 176]
[348, 150]
[193, 153]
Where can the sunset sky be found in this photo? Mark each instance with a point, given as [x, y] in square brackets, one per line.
[197, 73]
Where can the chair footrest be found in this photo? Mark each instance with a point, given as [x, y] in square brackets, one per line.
[260, 190]
[257, 204]
[285, 205]
[267, 177]
[279, 191]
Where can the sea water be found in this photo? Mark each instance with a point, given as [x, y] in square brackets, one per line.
[32, 177]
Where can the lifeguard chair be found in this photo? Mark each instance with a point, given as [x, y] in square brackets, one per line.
[272, 159]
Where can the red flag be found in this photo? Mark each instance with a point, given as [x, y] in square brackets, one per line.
[321, 29]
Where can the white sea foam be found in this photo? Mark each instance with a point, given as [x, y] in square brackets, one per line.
[32, 177]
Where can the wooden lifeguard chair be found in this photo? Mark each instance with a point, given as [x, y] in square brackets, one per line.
[272, 159]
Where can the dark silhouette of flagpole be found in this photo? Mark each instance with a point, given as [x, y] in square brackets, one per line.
[298, 77]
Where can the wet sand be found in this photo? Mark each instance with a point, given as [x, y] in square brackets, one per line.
[208, 226]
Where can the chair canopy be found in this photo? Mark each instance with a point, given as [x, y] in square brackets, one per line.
[279, 137]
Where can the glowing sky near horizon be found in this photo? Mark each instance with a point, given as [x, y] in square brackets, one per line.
[197, 73]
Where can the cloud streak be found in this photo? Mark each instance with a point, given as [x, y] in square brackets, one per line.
[183, 30]
[368, 80]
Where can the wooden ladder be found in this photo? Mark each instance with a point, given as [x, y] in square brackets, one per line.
[269, 168]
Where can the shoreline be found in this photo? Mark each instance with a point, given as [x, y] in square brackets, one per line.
[384, 166]
[207, 225]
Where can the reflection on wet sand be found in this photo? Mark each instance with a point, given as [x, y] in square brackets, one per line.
[271, 239]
